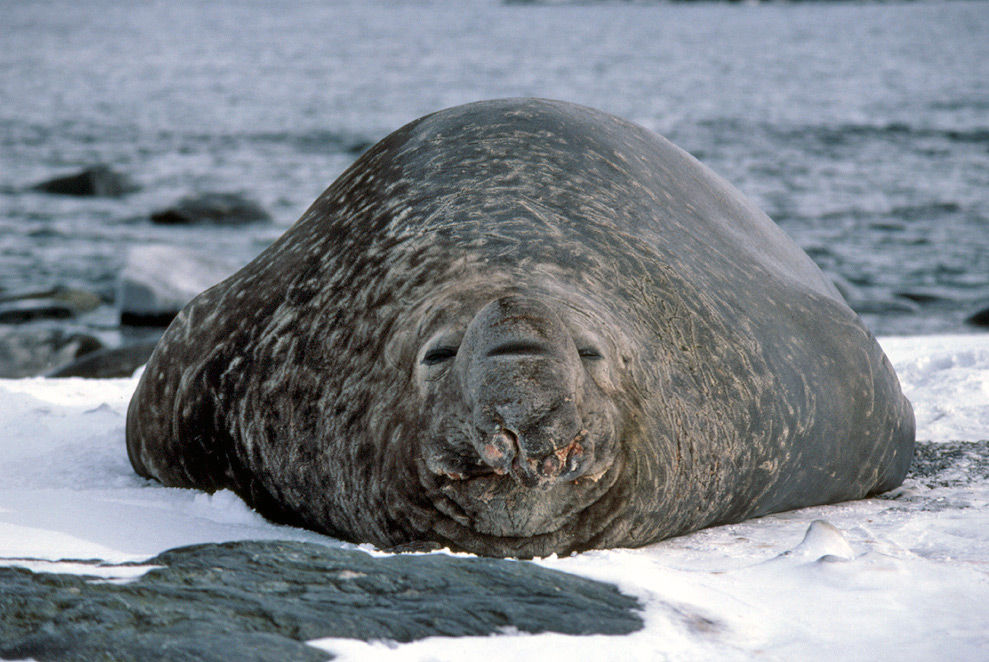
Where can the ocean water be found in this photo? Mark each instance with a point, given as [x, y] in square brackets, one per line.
[862, 129]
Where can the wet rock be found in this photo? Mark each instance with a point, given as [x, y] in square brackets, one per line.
[359, 146]
[920, 297]
[107, 363]
[81, 300]
[980, 318]
[262, 600]
[54, 304]
[215, 208]
[30, 352]
[950, 464]
[321, 141]
[31, 310]
[96, 181]
[158, 280]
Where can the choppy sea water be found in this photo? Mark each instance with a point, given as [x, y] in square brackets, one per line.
[862, 129]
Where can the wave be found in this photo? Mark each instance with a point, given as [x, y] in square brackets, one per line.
[893, 131]
[319, 141]
[846, 133]
[15, 133]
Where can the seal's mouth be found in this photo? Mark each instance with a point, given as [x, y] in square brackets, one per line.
[504, 454]
[516, 496]
[567, 518]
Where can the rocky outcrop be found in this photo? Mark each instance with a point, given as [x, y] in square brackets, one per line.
[26, 352]
[55, 304]
[950, 464]
[979, 318]
[96, 181]
[215, 208]
[262, 600]
[158, 280]
[107, 363]
[21, 311]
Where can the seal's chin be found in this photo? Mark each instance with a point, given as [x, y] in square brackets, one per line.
[494, 502]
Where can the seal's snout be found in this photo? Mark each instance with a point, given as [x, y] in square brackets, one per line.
[522, 374]
[565, 463]
[505, 452]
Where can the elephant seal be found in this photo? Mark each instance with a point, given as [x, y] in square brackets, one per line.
[523, 327]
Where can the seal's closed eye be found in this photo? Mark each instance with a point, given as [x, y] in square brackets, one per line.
[439, 355]
[518, 348]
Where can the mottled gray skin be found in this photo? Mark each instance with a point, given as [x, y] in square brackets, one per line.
[522, 327]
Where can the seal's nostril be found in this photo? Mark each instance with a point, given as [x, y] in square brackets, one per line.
[573, 460]
[551, 466]
[492, 453]
[499, 450]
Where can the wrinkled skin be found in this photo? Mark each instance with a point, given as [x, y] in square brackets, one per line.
[518, 328]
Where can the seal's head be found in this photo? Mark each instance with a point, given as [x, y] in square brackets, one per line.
[521, 419]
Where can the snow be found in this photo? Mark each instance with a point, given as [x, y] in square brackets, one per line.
[902, 577]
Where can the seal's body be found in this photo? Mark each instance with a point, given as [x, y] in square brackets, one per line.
[522, 327]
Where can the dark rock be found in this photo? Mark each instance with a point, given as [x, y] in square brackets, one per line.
[96, 181]
[359, 146]
[950, 464]
[107, 363]
[30, 352]
[157, 281]
[217, 208]
[261, 600]
[150, 320]
[981, 318]
[31, 310]
[56, 303]
[920, 297]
